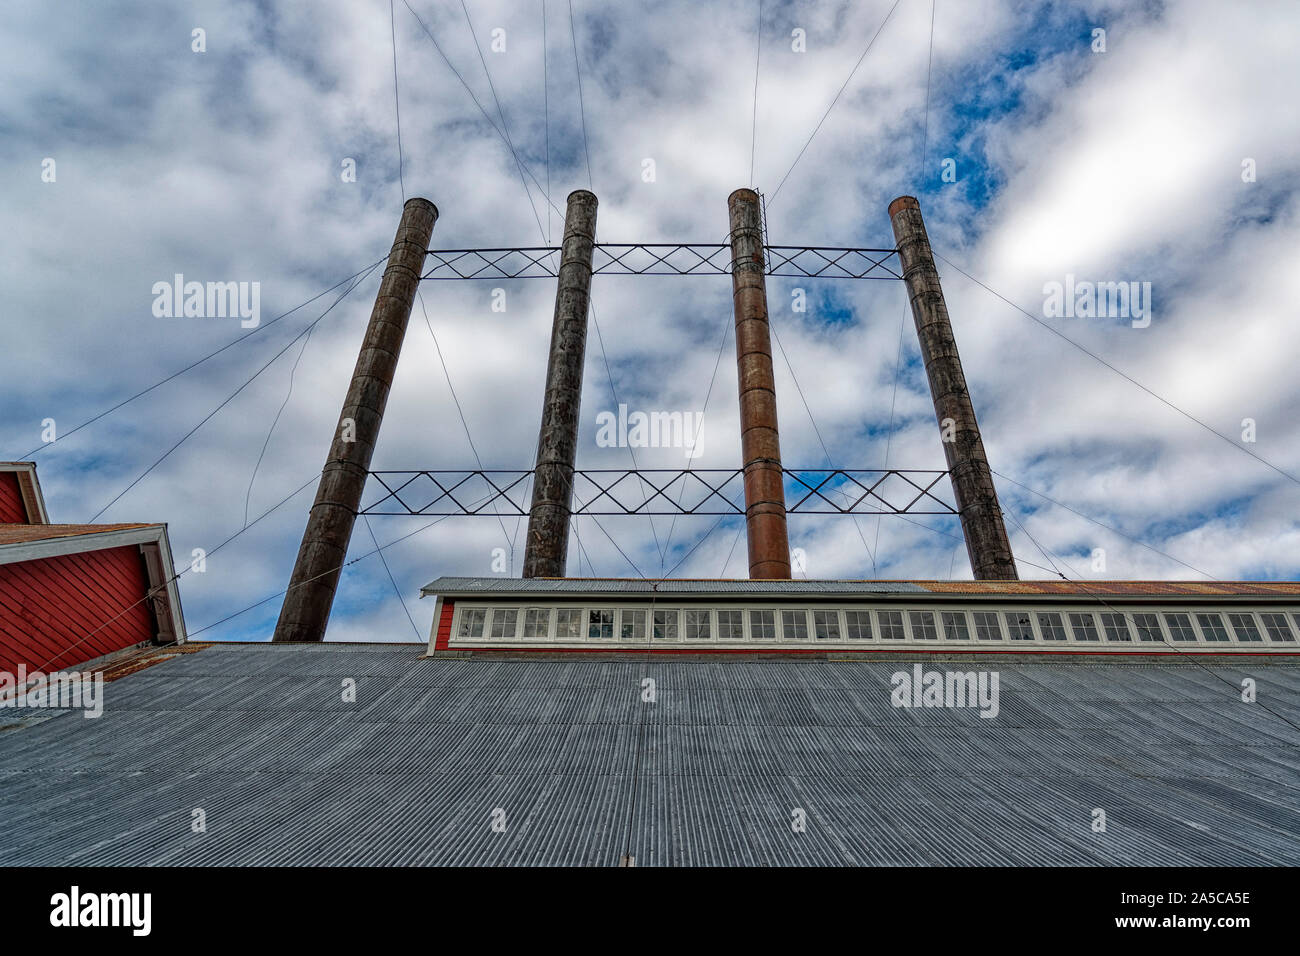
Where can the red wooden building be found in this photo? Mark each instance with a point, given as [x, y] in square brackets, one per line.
[70, 593]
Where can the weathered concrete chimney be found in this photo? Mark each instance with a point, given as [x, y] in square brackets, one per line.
[769, 543]
[972, 481]
[546, 549]
[324, 548]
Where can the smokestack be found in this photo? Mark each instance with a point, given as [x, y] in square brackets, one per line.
[769, 543]
[546, 549]
[968, 467]
[306, 608]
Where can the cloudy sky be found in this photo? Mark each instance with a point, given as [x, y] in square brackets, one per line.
[227, 164]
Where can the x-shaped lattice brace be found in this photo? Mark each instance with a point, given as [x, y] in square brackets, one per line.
[535, 266]
[786, 256]
[705, 263]
[610, 496]
[815, 491]
[704, 259]
[714, 491]
[501, 489]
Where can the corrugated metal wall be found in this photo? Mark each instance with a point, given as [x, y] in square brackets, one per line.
[51, 610]
[12, 509]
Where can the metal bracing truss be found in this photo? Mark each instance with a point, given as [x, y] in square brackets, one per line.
[661, 491]
[658, 259]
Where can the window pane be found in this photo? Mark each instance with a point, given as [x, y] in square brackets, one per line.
[1115, 626]
[954, 626]
[1084, 627]
[471, 622]
[1053, 628]
[665, 625]
[600, 624]
[1148, 627]
[698, 626]
[1212, 627]
[1180, 627]
[794, 625]
[1018, 626]
[1277, 627]
[1245, 627]
[858, 624]
[826, 625]
[731, 626]
[568, 623]
[762, 625]
[923, 628]
[632, 625]
[537, 622]
[891, 626]
[987, 627]
[504, 621]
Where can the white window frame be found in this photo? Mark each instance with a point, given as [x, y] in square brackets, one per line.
[1096, 627]
[836, 621]
[709, 623]
[1063, 622]
[1169, 630]
[968, 640]
[622, 618]
[1286, 623]
[1261, 635]
[717, 620]
[613, 624]
[875, 614]
[776, 624]
[1034, 636]
[523, 622]
[880, 626]
[1223, 621]
[1128, 628]
[976, 640]
[872, 637]
[460, 623]
[492, 623]
[794, 613]
[935, 625]
[582, 623]
[1138, 640]
[676, 625]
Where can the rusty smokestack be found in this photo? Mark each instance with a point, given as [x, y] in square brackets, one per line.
[968, 466]
[324, 548]
[769, 543]
[546, 549]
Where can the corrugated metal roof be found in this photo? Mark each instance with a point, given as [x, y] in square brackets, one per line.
[27, 533]
[1117, 588]
[464, 586]
[258, 736]
[499, 585]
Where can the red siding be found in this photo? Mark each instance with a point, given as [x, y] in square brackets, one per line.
[444, 626]
[12, 509]
[58, 612]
